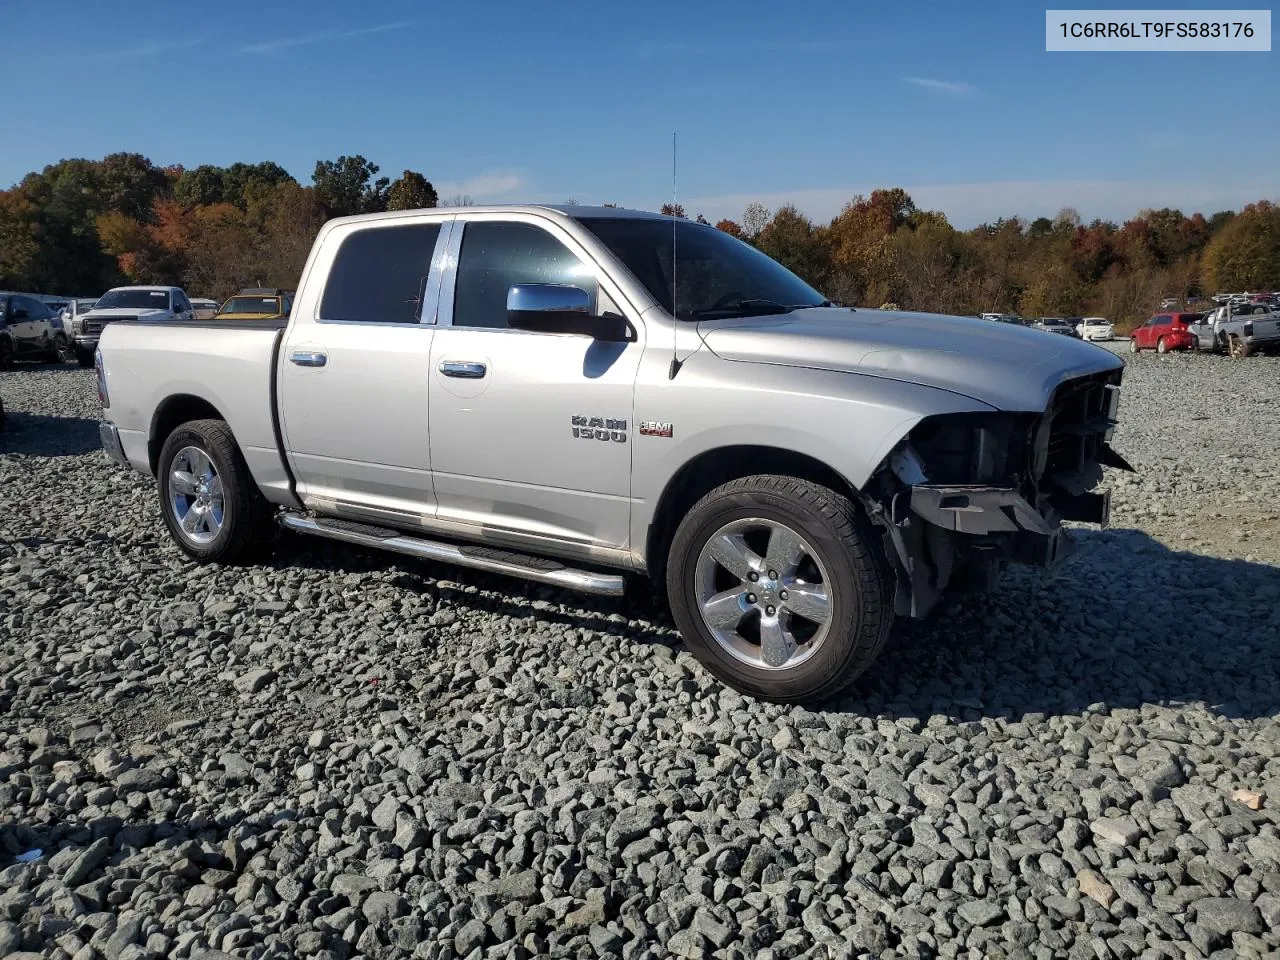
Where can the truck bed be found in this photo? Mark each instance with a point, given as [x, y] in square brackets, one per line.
[222, 366]
[270, 323]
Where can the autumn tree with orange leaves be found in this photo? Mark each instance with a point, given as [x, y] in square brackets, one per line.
[81, 226]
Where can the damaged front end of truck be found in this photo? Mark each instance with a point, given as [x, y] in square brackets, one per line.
[962, 495]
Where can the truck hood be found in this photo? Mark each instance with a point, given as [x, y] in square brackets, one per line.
[1008, 367]
[122, 313]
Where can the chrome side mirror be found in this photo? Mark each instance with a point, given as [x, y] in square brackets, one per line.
[547, 298]
[561, 308]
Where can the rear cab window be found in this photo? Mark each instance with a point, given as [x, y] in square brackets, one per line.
[379, 274]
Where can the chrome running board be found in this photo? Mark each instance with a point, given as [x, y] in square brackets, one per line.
[477, 557]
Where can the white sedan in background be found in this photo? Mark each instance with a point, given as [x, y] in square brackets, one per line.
[203, 309]
[1096, 328]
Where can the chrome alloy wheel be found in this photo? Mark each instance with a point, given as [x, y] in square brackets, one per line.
[195, 495]
[763, 593]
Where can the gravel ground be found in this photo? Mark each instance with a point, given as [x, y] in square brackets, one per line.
[343, 754]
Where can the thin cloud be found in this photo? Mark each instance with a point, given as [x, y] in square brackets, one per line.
[320, 36]
[485, 186]
[138, 52]
[948, 88]
[721, 48]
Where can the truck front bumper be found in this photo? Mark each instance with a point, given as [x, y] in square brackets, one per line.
[935, 533]
[1004, 517]
[110, 437]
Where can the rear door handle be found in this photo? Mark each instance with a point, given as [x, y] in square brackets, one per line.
[466, 370]
[309, 358]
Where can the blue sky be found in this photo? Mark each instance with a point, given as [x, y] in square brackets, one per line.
[512, 100]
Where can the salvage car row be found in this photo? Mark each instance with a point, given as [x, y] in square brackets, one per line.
[32, 328]
[1237, 329]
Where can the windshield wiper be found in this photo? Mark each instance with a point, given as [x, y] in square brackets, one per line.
[750, 307]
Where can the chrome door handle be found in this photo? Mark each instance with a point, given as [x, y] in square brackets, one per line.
[464, 369]
[308, 358]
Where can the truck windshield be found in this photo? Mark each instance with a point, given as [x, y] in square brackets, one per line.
[251, 305]
[716, 275]
[133, 300]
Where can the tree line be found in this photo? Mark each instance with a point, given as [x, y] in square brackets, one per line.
[883, 249]
[81, 226]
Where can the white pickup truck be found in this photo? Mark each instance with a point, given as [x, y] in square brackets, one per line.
[127, 303]
[530, 390]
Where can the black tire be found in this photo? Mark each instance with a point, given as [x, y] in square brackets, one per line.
[1133, 345]
[857, 576]
[1160, 347]
[84, 357]
[6, 353]
[246, 531]
[61, 352]
[1239, 348]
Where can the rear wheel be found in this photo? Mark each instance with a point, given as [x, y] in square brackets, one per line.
[780, 588]
[1161, 347]
[6, 353]
[211, 505]
[1239, 349]
[1133, 345]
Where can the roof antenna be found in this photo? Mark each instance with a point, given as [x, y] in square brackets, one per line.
[675, 329]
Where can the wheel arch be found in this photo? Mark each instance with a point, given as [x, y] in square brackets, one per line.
[172, 413]
[711, 468]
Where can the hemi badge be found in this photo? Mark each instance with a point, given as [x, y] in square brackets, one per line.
[655, 428]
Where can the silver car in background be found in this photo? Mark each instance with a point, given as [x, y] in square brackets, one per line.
[203, 309]
[75, 324]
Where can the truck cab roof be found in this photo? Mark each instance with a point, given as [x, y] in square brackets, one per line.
[569, 210]
[158, 288]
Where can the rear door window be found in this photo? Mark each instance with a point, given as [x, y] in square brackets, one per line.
[379, 274]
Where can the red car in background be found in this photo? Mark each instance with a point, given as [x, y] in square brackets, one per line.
[1165, 332]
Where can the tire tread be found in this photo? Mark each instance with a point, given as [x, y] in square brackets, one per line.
[874, 580]
[248, 534]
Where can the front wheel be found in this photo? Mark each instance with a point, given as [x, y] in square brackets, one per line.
[780, 588]
[61, 350]
[211, 505]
